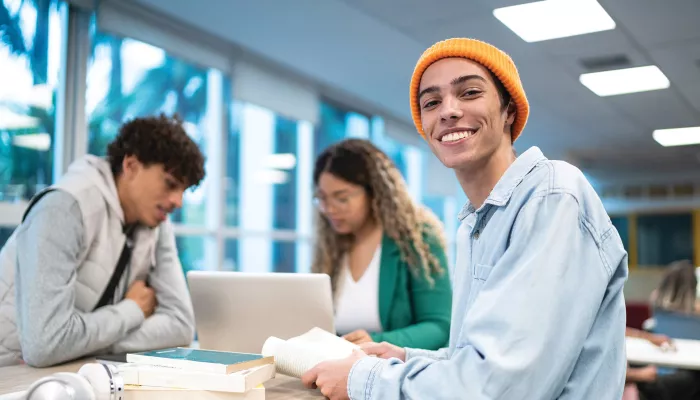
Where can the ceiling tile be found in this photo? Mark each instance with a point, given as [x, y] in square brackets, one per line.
[655, 109]
[681, 64]
[656, 22]
[409, 14]
[594, 44]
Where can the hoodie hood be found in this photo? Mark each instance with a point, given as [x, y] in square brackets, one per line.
[98, 172]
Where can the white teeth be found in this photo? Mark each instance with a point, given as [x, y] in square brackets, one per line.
[451, 137]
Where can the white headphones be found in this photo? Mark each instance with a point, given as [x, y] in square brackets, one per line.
[93, 381]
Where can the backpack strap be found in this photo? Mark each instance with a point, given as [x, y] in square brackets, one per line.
[35, 200]
[124, 258]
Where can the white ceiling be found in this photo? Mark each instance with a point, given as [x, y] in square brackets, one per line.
[368, 48]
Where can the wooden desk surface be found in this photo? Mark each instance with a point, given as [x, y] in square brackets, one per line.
[19, 377]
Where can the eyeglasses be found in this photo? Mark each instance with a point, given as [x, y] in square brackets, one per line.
[340, 203]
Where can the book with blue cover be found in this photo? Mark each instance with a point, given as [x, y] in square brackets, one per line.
[218, 362]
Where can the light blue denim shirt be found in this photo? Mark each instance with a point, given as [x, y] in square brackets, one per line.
[538, 309]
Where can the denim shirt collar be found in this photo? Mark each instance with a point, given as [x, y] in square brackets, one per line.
[515, 173]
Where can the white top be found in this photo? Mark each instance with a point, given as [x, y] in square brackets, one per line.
[357, 303]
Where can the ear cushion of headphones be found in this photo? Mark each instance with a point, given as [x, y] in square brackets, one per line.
[81, 386]
[99, 378]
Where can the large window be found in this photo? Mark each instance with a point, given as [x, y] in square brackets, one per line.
[191, 253]
[407, 159]
[337, 123]
[445, 208]
[621, 223]
[30, 58]
[127, 78]
[664, 238]
[274, 189]
[436, 204]
[393, 149]
[287, 255]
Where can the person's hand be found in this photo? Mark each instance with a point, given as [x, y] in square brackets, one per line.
[331, 377]
[646, 374]
[358, 337]
[144, 296]
[662, 341]
[384, 350]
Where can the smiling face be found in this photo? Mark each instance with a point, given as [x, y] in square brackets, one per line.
[462, 115]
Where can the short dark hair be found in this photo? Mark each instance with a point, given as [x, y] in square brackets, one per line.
[158, 140]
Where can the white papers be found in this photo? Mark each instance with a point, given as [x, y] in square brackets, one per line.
[299, 354]
[686, 355]
[145, 375]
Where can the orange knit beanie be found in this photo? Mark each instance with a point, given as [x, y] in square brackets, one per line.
[485, 54]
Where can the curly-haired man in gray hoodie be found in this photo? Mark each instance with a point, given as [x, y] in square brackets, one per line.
[93, 267]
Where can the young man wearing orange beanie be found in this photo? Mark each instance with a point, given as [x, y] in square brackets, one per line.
[538, 310]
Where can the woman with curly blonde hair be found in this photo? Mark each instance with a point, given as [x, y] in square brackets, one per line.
[384, 253]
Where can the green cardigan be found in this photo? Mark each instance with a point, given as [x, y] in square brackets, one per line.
[412, 313]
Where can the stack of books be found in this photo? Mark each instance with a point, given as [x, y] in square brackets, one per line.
[193, 374]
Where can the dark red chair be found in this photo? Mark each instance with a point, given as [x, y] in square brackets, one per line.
[637, 313]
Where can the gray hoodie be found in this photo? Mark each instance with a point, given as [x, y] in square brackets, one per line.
[56, 265]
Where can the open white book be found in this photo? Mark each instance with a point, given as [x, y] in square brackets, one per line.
[295, 356]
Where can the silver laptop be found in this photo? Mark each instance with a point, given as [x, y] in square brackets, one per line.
[238, 311]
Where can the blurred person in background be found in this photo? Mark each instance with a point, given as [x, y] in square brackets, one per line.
[649, 382]
[385, 254]
[677, 292]
[678, 289]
